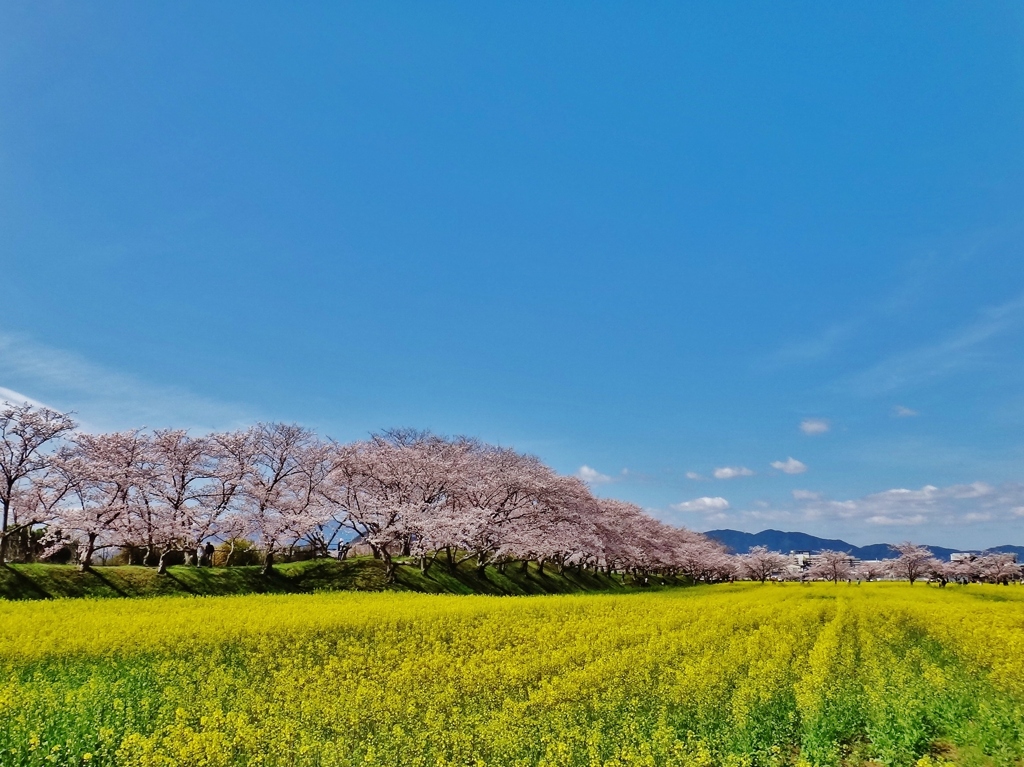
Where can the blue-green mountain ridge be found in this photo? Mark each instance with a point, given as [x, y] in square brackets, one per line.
[740, 543]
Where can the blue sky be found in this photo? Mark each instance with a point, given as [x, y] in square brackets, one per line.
[652, 240]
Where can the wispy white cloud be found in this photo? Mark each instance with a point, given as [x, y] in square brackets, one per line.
[592, 476]
[709, 508]
[915, 510]
[731, 472]
[696, 477]
[103, 398]
[976, 516]
[790, 466]
[704, 505]
[919, 284]
[814, 426]
[17, 398]
[888, 519]
[962, 504]
[817, 347]
[962, 349]
[901, 411]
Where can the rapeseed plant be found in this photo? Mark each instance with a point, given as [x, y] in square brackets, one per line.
[736, 675]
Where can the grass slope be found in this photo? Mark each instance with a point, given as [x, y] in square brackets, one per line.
[38, 581]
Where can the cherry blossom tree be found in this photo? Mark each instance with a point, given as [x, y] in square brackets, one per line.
[105, 473]
[324, 527]
[999, 568]
[553, 527]
[913, 563]
[275, 494]
[461, 498]
[392, 488]
[26, 433]
[612, 521]
[720, 566]
[963, 570]
[700, 558]
[832, 566]
[405, 493]
[943, 572]
[760, 564]
[428, 475]
[871, 570]
[655, 550]
[184, 495]
[232, 453]
[37, 507]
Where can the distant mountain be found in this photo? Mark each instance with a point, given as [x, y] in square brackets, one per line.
[777, 540]
[1018, 550]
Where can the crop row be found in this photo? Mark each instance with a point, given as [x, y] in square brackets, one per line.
[739, 675]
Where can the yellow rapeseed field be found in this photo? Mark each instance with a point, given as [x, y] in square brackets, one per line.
[722, 675]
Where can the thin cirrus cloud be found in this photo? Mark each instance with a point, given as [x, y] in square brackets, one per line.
[103, 398]
[814, 426]
[963, 349]
[901, 411]
[731, 472]
[695, 476]
[17, 398]
[790, 466]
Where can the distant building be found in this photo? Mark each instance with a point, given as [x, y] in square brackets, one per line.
[805, 559]
[801, 559]
[962, 556]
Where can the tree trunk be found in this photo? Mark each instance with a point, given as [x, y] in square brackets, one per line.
[3, 531]
[85, 559]
[161, 565]
[231, 551]
[268, 562]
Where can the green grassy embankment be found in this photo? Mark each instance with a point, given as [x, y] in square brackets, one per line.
[40, 581]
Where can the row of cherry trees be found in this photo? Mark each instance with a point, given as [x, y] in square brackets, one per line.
[409, 495]
[912, 563]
